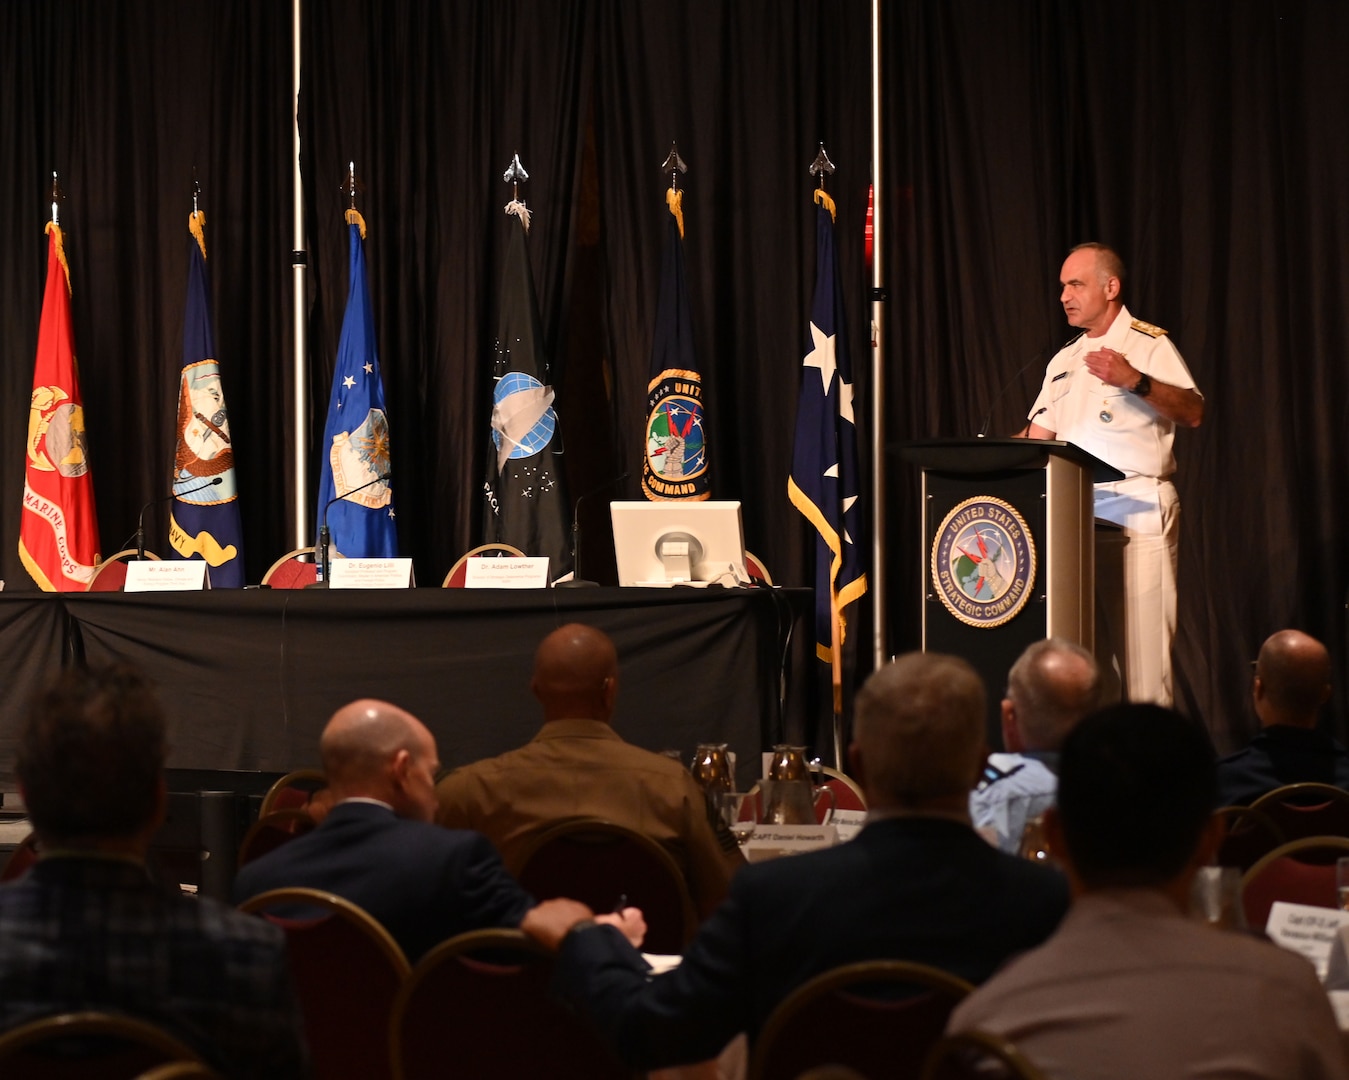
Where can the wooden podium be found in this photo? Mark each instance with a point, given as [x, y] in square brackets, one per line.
[1009, 550]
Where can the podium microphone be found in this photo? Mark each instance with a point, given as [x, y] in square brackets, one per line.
[988, 417]
[578, 582]
[325, 537]
[140, 518]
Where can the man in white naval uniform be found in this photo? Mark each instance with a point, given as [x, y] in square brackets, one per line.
[1118, 390]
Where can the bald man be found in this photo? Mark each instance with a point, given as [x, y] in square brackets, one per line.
[578, 766]
[378, 847]
[1292, 682]
[1052, 685]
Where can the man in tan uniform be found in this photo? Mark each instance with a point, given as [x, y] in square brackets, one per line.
[578, 766]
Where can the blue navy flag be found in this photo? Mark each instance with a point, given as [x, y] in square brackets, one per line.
[355, 448]
[524, 492]
[824, 483]
[204, 516]
[674, 456]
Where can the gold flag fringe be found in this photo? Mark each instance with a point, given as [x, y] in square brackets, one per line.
[55, 230]
[196, 225]
[822, 197]
[354, 218]
[520, 210]
[674, 199]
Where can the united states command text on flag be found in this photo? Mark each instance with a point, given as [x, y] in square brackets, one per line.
[824, 483]
[674, 458]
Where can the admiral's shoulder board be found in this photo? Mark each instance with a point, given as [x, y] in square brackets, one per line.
[1147, 328]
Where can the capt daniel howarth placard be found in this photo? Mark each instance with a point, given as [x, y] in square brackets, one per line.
[983, 562]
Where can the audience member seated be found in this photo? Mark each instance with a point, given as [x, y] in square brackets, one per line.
[1129, 986]
[578, 766]
[1052, 685]
[86, 928]
[377, 845]
[1292, 682]
[916, 884]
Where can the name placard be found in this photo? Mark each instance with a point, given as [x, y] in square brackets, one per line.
[506, 573]
[370, 574]
[1311, 931]
[176, 575]
[772, 841]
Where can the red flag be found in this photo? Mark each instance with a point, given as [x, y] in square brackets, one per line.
[58, 537]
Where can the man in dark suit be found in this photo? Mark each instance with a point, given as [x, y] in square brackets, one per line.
[1292, 682]
[917, 884]
[378, 848]
[87, 928]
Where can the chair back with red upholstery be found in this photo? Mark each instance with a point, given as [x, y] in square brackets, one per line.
[110, 574]
[978, 1055]
[272, 830]
[1301, 810]
[847, 794]
[755, 568]
[596, 862]
[1251, 835]
[293, 791]
[459, 571]
[1300, 872]
[80, 1045]
[294, 570]
[880, 1017]
[478, 1005]
[347, 970]
[20, 859]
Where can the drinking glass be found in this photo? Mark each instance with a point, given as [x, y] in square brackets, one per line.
[737, 813]
[1342, 883]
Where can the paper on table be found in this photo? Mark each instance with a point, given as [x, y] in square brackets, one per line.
[662, 962]
[1311, 931]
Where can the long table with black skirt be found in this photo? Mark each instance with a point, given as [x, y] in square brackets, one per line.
[249, 677]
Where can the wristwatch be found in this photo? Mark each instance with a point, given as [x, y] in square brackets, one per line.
[1143, 387]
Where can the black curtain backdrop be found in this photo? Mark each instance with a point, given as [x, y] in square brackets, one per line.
[1201, 138]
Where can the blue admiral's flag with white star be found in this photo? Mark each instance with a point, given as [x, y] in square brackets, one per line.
[204, 521]
[526, 504]
[824, 483]
[674, 457]
[355, 448]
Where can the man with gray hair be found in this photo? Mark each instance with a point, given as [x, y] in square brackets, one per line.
[1052, 685]
[916, 884]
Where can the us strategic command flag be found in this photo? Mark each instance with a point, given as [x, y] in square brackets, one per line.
[204, 520]
[355, 449]
[674, 462]
[824, 483]
[526, 502]
[58, 534]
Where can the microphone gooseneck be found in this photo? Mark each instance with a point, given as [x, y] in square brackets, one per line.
[988, 417]
[325, 536]
[140, 518]
[578, 582]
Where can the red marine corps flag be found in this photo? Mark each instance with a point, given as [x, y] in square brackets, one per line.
[58, 537]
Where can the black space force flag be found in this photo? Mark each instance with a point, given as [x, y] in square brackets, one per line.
[526, 501]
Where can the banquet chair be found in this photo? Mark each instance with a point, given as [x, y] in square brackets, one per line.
[1300, 872]
[79, 1045]
[347, 970]
[754, 566]
[272, 830]
[292, 571]
[459, 571]
[478, 1005]
[978, 1055]
[596, 861]
[293, 791]
[1251, 834]
[847, 794]
[880, 1017]
[110, 574]
[20, 859]
[181, 1070]
[1307, 810]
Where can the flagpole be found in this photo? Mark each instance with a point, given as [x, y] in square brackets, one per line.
[877, 570]
[301, 534]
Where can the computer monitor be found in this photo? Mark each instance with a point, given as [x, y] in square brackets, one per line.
[679, 543]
